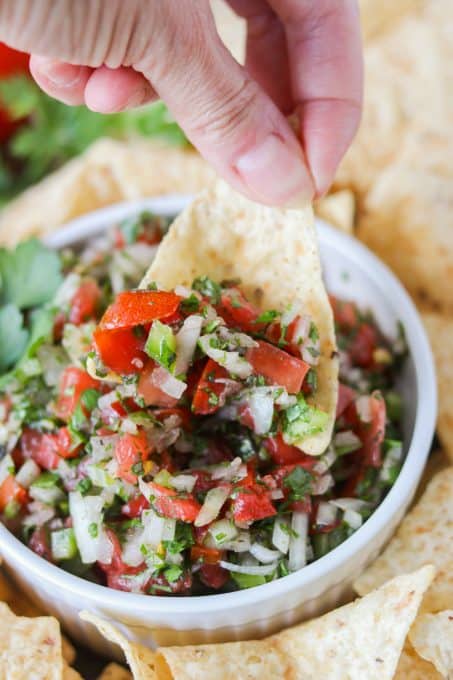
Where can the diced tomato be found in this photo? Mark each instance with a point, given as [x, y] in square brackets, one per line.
[41, 448]
[135, 506]
[169, 504]
[85, 302]
[237, 311]
[204, 481]
[349, 488]
[12, 491]
[345, 313]
[283, 471]
[245, 416]
[251, 505]
[205, 554]
[182, 413]
[117, 572]
[284, 454]
[152, 393]
[40, 544]
[140, 307]
[346, 396]
[213, 575]
[363, 345]
[58, 326]
[210, 395]
[372, 434]
[193, 377]
[277, 366]
[304, 505]
[64, 444]
[131, 449]
[73, 382]
[122, 351]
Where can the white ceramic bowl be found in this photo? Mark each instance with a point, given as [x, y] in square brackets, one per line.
[351, 272]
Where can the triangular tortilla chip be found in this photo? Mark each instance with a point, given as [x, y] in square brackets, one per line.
[338, 209]
[140, 659]
[424, 537]
[115, 672]
[27, 645]
[275, 254]
[362, 640]
[432, 638]
[412, 667]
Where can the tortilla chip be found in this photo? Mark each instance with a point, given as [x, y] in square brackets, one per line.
[437, 461]
[413, 667]
[30, 649]
[361, 640]
[108, 172]
[377, 16]
[140, 659]
[16, 599]
[440, 332]
[115, 672]
[425, 536]
[68, 651]
[70, 673]
[432, 638]
[274, 252]
[338, 209]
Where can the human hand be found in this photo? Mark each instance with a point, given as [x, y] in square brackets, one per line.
[303, 56]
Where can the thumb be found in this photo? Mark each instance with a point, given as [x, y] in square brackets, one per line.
[225, 113]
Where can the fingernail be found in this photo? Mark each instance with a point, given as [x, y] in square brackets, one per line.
[276, 174]
[61, 75]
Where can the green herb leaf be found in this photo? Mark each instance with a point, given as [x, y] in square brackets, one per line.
[299, 481]
[208, 288]
[30, 274]
[173, 573]
[161, 345]
[267, 317]
[13, 336]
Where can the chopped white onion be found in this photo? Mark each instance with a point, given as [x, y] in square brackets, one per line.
[128, 426]
[28, 473]
[298, 541]
[232, 361]
[106, 400]
[67, 290]
[6, 466]
[132, 554]
[38, 514]
[50, 496]
[322, 484]
[103, 448]
[215, 498]
[350, 504]
[185, 292]
[157, 529]
[85, 512]
[301, 330]
[277, 494]
[236, 339]
[240, 544]
[222, 532]
[186, 342]
[326, 461]
[252, 570]
[327, 514]
[363, 406]
[289, 315]
[53, 361]
[229, 471]
[280, 535]
[353, 519]
[165, 381]
[263, 554]
[262, 411]
[347, 440]
[183, 482]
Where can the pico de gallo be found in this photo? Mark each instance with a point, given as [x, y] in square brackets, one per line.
[149, 442]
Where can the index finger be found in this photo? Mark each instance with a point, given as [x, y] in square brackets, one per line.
[325, 54]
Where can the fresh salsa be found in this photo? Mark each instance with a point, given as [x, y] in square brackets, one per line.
[147, 442]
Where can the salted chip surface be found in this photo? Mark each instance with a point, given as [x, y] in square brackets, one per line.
[432, 638]
[412, 667]
[114, 672]
[274, 252]
[424, 536]
[30, 649]
[338, 208]
[361, 640]
[141, 660]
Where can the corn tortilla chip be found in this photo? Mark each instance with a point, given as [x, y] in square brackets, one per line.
[440, 331]
[274, 252]
[140, 659]
[30, 649]
[361, 640]
[115, 672]
[425, 536]
[338, 209]
[70, 673]
[432, 638]
[108, 172]
[412, 667]
[377, 16]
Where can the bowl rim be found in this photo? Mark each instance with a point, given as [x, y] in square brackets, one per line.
[95, 223]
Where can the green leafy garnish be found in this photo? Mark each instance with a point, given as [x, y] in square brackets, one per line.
[13, 336]
[299, 481]
[267, 317]
[208, 288]
[161, 345]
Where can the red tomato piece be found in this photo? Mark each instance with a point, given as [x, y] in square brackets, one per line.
[213, 575]
[346, 396]
[131, 449]
[251, 505]
[121, 351]
[277, 366]
[151, 393]
[238, 311]
[210, 395]
[64, 444]
[169, 504]
[205, 554]
[85, 302]
[12, 491]
[372, 434]
[284, 454]
[363, 345]
[139, 307]
[345, 313]
[135, 506]
[41, 448]
[40, 544]
[182, 413]
[73, 382]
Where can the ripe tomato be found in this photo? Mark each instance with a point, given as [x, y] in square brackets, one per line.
[345, 313]
[40, 544]
[131, 449]
[135, 506]
[251, 505]
[363, 345]
[285, 454]
[85, 302]
[139, 307]
[206, 555]
[122, 351]
[73, 382]
[152, 393]
[213, 575]
[372, 434]
[277, 366]
[41, 448]
[346, 396]
[238, 311]
[11, 490]
[210, 395]
[169, 504]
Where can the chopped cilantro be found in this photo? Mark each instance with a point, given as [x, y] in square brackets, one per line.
[208, 288]
[312, 379]
[84, 485]
[267, 317]
[173, 573]
[89, 399]
[299, 481]
[183, 539]
[190, 304]
[313, 334]
[93, 530]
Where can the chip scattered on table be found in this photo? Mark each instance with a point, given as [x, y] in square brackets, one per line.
[432, 638]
